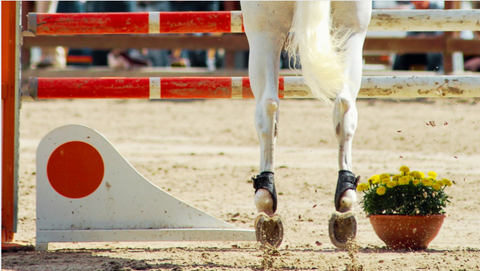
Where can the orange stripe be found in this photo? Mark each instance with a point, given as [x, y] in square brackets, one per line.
[79, 59]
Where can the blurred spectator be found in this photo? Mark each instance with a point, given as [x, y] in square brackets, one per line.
[159, 58]
[50, 56]
[116, 58]
[75, 57]
[194, 58]
[430, 61]
[472, 63]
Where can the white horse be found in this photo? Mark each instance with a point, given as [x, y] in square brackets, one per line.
[328, 37]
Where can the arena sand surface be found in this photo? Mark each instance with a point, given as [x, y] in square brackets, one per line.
[204, 152]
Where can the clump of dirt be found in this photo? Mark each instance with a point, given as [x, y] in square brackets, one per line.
[270, 253]
[352, 249]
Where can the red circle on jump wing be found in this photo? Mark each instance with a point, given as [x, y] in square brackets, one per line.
[75, 169]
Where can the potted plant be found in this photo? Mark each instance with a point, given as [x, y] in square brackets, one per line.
[406, 210]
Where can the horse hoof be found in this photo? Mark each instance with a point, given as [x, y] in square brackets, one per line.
[342, 228]
[269, 230]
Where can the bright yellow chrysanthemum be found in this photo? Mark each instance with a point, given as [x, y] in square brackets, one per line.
[391, 184]
[404, 180]
[404, 169]
[416, 181]
[422, 175]
[432, 174]
[396, 177]
[386, 180]
[436, 186]
[427, 182]
[384, 175]
[416, 175]
[374, 179]
[447, 182]
[440, 183]
[362, 187]
[381, 190]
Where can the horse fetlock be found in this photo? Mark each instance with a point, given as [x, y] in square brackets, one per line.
[348, 201]
[264, 201]
[345, 195]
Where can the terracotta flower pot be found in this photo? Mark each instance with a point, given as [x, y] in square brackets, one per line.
[407, 232]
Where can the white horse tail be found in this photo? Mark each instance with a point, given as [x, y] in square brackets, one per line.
[320, 48]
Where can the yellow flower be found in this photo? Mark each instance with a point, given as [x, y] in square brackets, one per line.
[447, 182]
[416, 181]
[404, 180]
[422, 175]
[396, 177]
[404, 169]
[381, 190]
[386, 180]
[384, 176]
[436, 186]
[391, 184]
[415, 174]
[362, 187]
[440, 183]
[427, 182]
[374, 179]
[432, 174]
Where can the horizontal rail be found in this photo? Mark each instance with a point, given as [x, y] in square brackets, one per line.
[135, 23]
[235, 42]
[425, 20]
[231, 22]
[97, 71]
[239, 87]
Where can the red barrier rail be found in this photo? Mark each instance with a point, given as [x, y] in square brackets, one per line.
[143, 88]
[239, 87]
[135, 23]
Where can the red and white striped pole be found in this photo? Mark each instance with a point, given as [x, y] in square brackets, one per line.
[155, 88]
[231, 22]
[135, 23]
[239, 87]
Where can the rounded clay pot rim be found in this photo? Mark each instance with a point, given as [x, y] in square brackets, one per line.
[403, 216]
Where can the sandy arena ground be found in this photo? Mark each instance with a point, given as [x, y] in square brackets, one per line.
[204, 152]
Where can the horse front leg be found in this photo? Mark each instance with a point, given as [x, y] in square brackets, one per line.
[342, 226]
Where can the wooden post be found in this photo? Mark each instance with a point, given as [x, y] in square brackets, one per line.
[448, 56]
[10, 110]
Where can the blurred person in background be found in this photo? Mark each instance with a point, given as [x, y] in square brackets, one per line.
[55, 56]
[194, 58]
[158, 57]
[427, 61]
[116, 58]
[472, 63]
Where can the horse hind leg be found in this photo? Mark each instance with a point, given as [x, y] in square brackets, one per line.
[266, 27]
[268, 225]
[342, 226]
